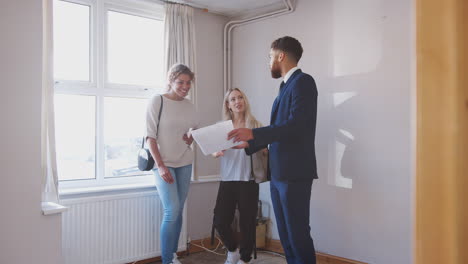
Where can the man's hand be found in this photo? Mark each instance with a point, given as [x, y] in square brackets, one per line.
[241, 134]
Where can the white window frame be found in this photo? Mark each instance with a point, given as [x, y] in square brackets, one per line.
[99, 87]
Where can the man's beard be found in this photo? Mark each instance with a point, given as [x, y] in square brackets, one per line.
[275, 72]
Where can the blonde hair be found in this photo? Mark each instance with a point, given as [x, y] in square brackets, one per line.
[250, 120]
[175, 71]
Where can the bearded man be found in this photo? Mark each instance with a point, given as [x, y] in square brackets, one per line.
[290, 138]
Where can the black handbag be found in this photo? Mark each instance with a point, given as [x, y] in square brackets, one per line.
[145, 160]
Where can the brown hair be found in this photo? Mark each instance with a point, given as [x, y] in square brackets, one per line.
[175, 71]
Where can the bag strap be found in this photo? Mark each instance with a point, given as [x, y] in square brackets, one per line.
[159, 119]
[159, 115]
[251, 166]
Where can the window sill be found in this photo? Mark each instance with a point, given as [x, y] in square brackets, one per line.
[49, 208]
[102, 190]
[69, 193]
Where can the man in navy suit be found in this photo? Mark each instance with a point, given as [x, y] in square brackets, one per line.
[291, 140]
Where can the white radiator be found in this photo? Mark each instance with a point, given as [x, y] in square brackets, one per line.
[113, 228]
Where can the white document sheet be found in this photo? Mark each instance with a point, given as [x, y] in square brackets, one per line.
[213, 138]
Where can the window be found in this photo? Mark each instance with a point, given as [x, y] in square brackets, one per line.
[75, 126]
[141, 66]
[108, 60]
[123, 125]
[71, 41]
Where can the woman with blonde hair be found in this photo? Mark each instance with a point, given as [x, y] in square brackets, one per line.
[169, 140]
[237, 188]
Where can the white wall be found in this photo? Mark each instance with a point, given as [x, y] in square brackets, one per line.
[26, 236]
[209, 75]
[200, 205]
[209, 94]
[361, 47]
[360, 53]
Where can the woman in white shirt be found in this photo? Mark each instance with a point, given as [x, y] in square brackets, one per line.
[170, 146]
[237, 188]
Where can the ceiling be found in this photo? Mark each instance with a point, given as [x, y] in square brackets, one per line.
[235, 8]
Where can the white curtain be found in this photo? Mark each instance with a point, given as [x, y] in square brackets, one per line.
[48, 159]
[179, 45]
[179, 36]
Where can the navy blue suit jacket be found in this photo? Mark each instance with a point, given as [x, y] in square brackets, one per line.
[291, 133]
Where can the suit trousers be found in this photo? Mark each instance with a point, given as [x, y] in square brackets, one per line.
[244, 196]
[291, 203]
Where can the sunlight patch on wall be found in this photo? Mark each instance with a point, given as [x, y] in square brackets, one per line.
[339, 145]
[335, 177]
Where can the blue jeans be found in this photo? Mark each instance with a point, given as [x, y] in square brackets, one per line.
[173, 197]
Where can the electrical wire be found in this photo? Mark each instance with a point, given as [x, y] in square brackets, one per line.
[211, 250]
[225, 250]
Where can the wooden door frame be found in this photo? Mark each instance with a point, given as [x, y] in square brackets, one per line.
[442, 132]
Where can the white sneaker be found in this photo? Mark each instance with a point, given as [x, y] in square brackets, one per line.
[232, 257]
[175, 260]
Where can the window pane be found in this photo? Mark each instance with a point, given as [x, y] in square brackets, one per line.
[75, 136]
[135, 50]
[124, 126]
[71, 41]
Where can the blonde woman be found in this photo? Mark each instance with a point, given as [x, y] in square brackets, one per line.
[237, 188]
[169, 144]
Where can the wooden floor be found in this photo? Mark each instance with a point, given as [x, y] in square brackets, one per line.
[211, 258]
[272, 254]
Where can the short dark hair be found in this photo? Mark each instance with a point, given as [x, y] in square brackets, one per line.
[289, 45]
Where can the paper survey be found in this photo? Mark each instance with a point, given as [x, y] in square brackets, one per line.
[214, 138]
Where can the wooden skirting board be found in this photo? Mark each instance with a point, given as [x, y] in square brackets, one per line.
[275, 246]
[271, 245]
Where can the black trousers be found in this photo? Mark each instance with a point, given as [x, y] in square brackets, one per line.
[244, 196]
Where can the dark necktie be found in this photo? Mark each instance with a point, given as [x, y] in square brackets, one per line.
[281, 87]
